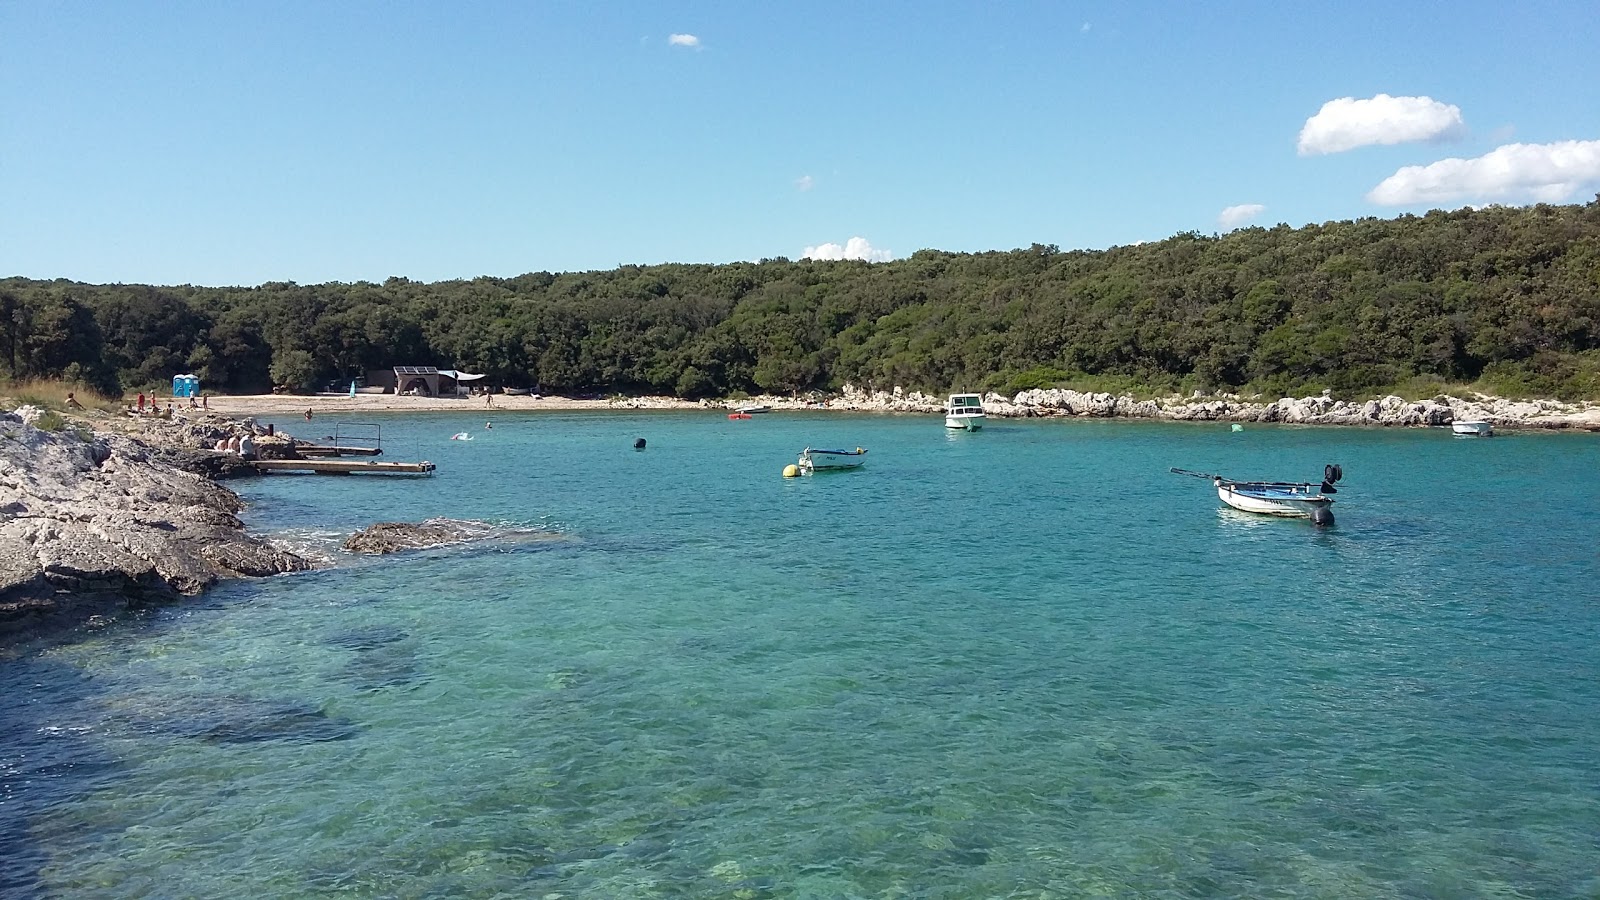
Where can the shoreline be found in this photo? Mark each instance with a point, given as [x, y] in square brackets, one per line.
[1391, 411]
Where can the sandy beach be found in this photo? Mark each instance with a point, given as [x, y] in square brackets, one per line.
[341, 404]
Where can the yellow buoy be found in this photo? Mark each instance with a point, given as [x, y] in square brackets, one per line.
[791, 470]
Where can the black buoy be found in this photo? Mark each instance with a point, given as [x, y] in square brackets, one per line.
[638, 444]
[1322, 516]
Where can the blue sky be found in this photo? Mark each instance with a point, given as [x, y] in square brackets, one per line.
[238, 143]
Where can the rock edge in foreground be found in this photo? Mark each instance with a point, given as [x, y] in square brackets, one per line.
[94, 523]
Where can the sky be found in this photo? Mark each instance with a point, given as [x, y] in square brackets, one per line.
[302, 140]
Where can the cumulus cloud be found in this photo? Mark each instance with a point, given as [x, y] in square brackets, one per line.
[1348, 123]
[1234, 216]
[1547, 173]
[805, 183]
[855, 248]
[683, 40]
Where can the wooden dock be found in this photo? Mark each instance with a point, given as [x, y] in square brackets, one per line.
[342, 467]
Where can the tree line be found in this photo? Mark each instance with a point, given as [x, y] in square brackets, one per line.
[1505, 297]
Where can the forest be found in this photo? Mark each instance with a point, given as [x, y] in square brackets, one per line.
[1503, 299]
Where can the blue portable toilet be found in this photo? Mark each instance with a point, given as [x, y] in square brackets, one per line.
[185, 386]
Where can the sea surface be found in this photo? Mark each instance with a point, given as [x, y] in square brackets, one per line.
[1024, 662]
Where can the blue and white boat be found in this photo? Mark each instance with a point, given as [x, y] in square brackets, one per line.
[814, 460]
[1297, 499]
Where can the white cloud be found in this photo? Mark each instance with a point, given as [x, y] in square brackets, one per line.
[805, 183]
[1348, 123]
[855, 248]
[1547, 173]
[683, 40]
[1234, 216]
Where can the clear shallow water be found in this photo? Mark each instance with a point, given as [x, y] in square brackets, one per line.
[1026, 662]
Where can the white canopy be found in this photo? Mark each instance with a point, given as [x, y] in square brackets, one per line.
[460, 376]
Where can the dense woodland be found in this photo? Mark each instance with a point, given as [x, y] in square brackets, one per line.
[1508, 298]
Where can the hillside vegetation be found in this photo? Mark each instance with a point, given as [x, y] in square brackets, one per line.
[1505, 299]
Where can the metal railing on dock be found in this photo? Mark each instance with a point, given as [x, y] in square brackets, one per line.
[348, 440]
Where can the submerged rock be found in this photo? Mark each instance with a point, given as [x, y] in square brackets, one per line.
[231, 719]
[368, 637]
[293, 722]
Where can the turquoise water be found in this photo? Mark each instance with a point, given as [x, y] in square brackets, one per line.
[1026, 662]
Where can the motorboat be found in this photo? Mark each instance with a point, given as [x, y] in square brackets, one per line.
[1473, 429]
[753, 409]
[814, 460]
[1295, 499]
[964, 411]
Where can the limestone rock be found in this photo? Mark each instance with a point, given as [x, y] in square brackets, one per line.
[91, 523]
[394, 537]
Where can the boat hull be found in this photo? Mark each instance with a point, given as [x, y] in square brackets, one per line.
[968, 422]
[1297, 501]
[826, 460]
[1472, 429]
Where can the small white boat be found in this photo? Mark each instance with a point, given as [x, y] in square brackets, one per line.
[1473, 429]
[753, 409]
[964, 411]
[812, 460]
[1274, 498]
[1279, 498]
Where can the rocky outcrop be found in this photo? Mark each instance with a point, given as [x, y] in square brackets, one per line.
[395, 537]
[95, 522]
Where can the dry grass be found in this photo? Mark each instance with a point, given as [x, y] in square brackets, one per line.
[51, 394]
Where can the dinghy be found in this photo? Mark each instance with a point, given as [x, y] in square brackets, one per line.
[816, 460]
[1296, 499]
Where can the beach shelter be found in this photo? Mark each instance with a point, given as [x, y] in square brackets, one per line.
[465, 381]
[423, 380]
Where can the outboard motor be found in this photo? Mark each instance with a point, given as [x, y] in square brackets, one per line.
[1322, 516]
[1331, 475]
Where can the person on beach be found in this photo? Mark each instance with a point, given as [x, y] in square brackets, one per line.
[308, 414]
[488, 399]
[204, 403]
[141, 403]
[72, 402]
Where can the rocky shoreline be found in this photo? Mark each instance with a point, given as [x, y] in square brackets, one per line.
[96, 522]
[102, 514]
[1388, 411]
